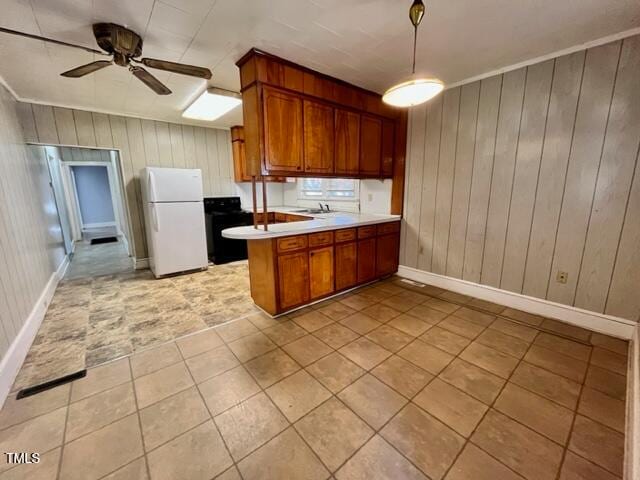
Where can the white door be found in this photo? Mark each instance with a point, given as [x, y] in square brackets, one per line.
[173, 184]
[178, 237]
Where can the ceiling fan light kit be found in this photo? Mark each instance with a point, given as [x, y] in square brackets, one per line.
[415, 90]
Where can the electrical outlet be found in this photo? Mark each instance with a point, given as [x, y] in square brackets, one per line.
[562, 277]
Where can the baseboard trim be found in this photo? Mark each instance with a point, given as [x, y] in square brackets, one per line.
[141, 263]
[13, 359]
[632, 428]
[607, 324]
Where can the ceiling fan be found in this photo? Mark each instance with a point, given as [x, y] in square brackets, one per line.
[125, 48]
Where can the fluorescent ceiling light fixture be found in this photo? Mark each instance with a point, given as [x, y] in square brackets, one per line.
[212, 104]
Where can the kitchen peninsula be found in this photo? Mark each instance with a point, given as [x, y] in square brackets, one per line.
[297, 263]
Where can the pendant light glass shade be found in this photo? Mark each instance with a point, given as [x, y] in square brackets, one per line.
[413, 92]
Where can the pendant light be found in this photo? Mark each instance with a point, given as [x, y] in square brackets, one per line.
[415, 90]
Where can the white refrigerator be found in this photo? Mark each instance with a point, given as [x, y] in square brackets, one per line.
[174, 220]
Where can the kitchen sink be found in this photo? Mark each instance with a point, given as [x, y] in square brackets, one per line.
[309, 210]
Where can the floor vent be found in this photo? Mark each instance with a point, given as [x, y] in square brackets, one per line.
[27, 392]
[96, 241]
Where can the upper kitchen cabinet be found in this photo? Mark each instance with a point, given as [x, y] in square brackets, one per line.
[240, 158]
[299, 122]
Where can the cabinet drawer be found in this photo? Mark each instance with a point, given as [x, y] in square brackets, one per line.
[320, 238]
[390, 227]
[366, 232]
[345, 235]
[288, 244]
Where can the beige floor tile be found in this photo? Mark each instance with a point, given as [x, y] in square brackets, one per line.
[524, 317]
[250, 424]
[445, 340]
[389, 338]
[297, 394]
[378, 460]
[360, 323]
[491, 360]
[380, 312]
[609, 360]
[271, 367]
[503, 343]
[557, 363]
[234, 330]
[161, 384]
[409, 325]
[565, 346]
[414, 296]
[285, 333]
[442, 305]
[372, 400]
[554, 387]
[251, 346]
[484, 319]
[334, 432]
[598, 443]
[307, 350]
[99, 410]
[577, 468]
[536, 412]
[566, 329]
[171, 417]
[429, 358]
[228, 389]
[103, 451]
[39, 434]
[230, 474]
[45, 469]
[453, 407]
[335, 371]
[261, 320]
[428, 443]
[211, 363]
[357, 302]
[514, 329]
[335, 335]
[602, 408]
[474, 464]
[198, 454]
[607, 382]
[286, 456]
[485, 305]
[523, 450]
[101, 378]
[610, 343]
[17, 411]
[462, 327]
[473, 380]
[454, 297]
[400, 304]
[336, 311]
[313, 320]
[365, 353]
[401, 375]
[199, 343]
[426, 314]
[148, 361]
[136, 470]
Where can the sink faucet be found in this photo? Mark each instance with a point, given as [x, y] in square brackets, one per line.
[321, 209]
[327, 205]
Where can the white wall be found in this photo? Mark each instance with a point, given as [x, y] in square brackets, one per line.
[274, 194]
[94, 195]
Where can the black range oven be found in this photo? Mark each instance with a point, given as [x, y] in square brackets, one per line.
[222, 213]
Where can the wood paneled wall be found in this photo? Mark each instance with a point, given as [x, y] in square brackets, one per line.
[31, 246]
[141, 143]
[519, 176]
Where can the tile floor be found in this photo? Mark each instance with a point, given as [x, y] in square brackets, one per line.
[383, 383]
[101, 259]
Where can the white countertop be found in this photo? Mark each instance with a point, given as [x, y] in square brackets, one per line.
[320, 223]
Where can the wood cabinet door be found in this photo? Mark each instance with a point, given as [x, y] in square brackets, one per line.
[366, 260]
[347, 142]
[387, 254]
[321, 273]
[282, 131]
[370, 145]
[318, 137]
[388, 138]
[346, 265]
[293, 274]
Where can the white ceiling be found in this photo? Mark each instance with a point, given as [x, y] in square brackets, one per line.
[365, 42]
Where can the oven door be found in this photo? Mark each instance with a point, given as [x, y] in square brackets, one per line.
[225, 250]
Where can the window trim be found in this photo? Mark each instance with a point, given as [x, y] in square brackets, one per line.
[324, 197]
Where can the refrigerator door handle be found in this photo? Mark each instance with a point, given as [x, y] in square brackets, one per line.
[156, 221]
[152, 188]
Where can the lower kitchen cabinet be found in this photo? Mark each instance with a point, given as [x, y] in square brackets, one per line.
[366, 260]
[346, 265]
[387, 254]
[321, 275]
[293, 273]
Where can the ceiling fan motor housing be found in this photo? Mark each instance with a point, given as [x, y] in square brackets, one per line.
[119, 41]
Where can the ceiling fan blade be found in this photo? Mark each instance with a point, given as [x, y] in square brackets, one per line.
[50, 40]
[86, 69]
[150, 81]
[180, 68]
